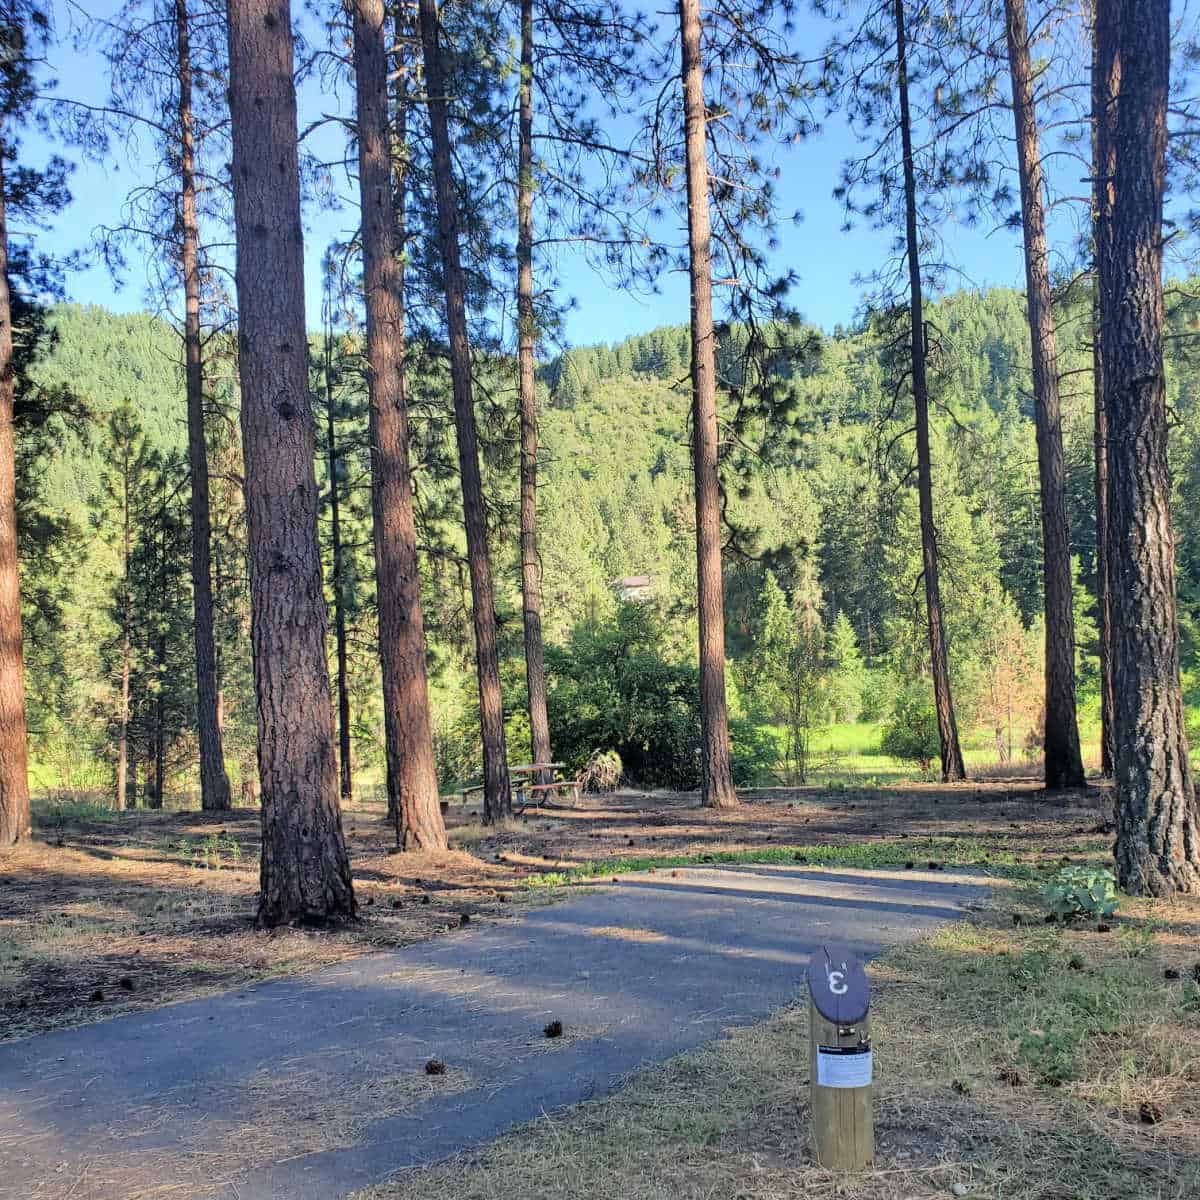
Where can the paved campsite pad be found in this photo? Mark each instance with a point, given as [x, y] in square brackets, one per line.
[312, 1087]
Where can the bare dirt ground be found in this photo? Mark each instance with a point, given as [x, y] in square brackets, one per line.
[103, 913]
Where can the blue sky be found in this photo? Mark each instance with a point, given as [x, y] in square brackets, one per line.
[825, 259]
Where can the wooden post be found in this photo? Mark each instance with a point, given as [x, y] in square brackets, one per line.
[840, 1061]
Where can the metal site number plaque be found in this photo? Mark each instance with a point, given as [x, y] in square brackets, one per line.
[840, 1059]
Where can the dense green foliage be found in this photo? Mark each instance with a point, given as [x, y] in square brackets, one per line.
[826, 510]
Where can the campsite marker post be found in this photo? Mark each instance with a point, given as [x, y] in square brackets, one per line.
[840, 1059]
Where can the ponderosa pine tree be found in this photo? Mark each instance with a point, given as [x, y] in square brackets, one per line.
[497, 794]
[166, 67]
[334, 458]
[411, 769]
[1100, 438]
[24, 30]
[14, 770]
[759, 90]
[1063, 759]
[570, 55]
[1158, 824]
[305, 872]
[531, 564]
[214, 782]
[716, 785]
[953, 767]
[124, 476]
[878, 89]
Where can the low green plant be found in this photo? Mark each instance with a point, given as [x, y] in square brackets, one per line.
[1081, 892]
[912, 733]
[1053, 1054]
[214, 850]
[58, 814]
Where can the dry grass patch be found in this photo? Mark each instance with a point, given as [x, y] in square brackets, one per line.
[281, 1115]
[1013, 1061]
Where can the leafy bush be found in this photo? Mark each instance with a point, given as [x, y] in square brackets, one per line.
[609, 687]
[754, 753]
[912, 733]
[1081, 892]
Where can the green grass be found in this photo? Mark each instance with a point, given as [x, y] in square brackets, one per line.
[848, 755]
[54, 814]
[919, 852]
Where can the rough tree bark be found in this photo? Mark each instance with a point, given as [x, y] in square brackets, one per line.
[1158, 825]
[412, 771]
[14, 770]
[497, 793]
[716, 782]
[1100, 440]
[1063, 758]
[214, 782]
[531, 565]
[1103, 577]
[952, 759]
[305, 871]
[338, 581]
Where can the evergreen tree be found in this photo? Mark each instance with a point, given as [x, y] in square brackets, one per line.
[879, 99]
[1063, 761]
[497, 790]
[24, 30]
[167, 67]
[1158, 822]
[305, 868]
[413, 797]
[846, 670]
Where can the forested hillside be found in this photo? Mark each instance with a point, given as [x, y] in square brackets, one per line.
[824, 512]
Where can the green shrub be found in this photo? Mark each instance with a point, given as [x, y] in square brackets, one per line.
[611, 688]
[1081, 892]
[754, 753]
[912, 733]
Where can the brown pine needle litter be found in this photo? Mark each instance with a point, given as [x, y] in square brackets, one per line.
[1061, 1040]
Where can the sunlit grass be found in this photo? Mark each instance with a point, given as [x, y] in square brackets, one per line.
[905, 853]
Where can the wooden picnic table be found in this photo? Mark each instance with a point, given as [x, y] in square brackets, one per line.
[528, 791]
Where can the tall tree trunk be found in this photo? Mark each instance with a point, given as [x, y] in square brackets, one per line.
[531, 566]
[412, 770]
[14, 770]
[126, 634]
[305, 872]
[214, 781]
[497, 794]
[716, 781]
[1063, 759]
[1100, 442]
[952, 759]
[1158, 825]
[1103, 570]
[338, 581]
[158, 740]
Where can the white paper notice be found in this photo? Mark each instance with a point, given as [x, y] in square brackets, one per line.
[837, 1068]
